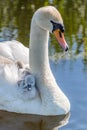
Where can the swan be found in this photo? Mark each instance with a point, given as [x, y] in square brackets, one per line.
[49, 98]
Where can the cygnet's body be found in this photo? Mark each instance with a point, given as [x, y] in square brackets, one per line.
[26, 85]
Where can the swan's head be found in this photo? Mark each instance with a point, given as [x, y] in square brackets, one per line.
[49, 18]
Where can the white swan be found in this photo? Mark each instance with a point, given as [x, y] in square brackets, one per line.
[50, 100]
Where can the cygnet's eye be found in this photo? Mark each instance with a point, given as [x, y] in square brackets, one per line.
[28, 87]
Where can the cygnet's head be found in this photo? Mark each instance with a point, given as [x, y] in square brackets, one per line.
[49, 18]
[26, 85]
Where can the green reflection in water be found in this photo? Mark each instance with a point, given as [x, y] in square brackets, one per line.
[15, 19]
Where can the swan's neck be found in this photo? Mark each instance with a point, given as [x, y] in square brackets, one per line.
[52, 97]
[39, 61]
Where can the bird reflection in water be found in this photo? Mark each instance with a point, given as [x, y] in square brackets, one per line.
[14, 121]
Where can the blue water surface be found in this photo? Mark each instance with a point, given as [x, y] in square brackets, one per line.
[71, 76]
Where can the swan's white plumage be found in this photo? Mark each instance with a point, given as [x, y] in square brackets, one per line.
[14, 50]
[10, 96]
[50, 100]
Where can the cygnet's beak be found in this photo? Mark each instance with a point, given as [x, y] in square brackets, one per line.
[60, 38]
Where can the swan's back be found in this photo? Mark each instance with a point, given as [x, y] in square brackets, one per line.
[14, 50]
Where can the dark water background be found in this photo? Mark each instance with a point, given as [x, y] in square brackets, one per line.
[70, 70]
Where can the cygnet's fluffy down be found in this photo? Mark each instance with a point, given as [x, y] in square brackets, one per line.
[26, 85]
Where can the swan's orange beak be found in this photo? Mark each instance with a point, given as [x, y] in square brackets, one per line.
[60, 38]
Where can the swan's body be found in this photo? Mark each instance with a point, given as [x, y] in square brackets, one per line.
[49, 100]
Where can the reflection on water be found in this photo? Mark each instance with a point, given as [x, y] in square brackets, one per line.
[72, 78]
[13, 121]
[16, 18]
[70, 70]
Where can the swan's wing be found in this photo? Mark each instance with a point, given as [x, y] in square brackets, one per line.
[15, 51]
[4, 60]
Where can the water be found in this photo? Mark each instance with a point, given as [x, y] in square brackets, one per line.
[14, 121]
[70, 70]
[71, 76]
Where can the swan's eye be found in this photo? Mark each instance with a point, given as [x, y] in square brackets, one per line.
[57, 26]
